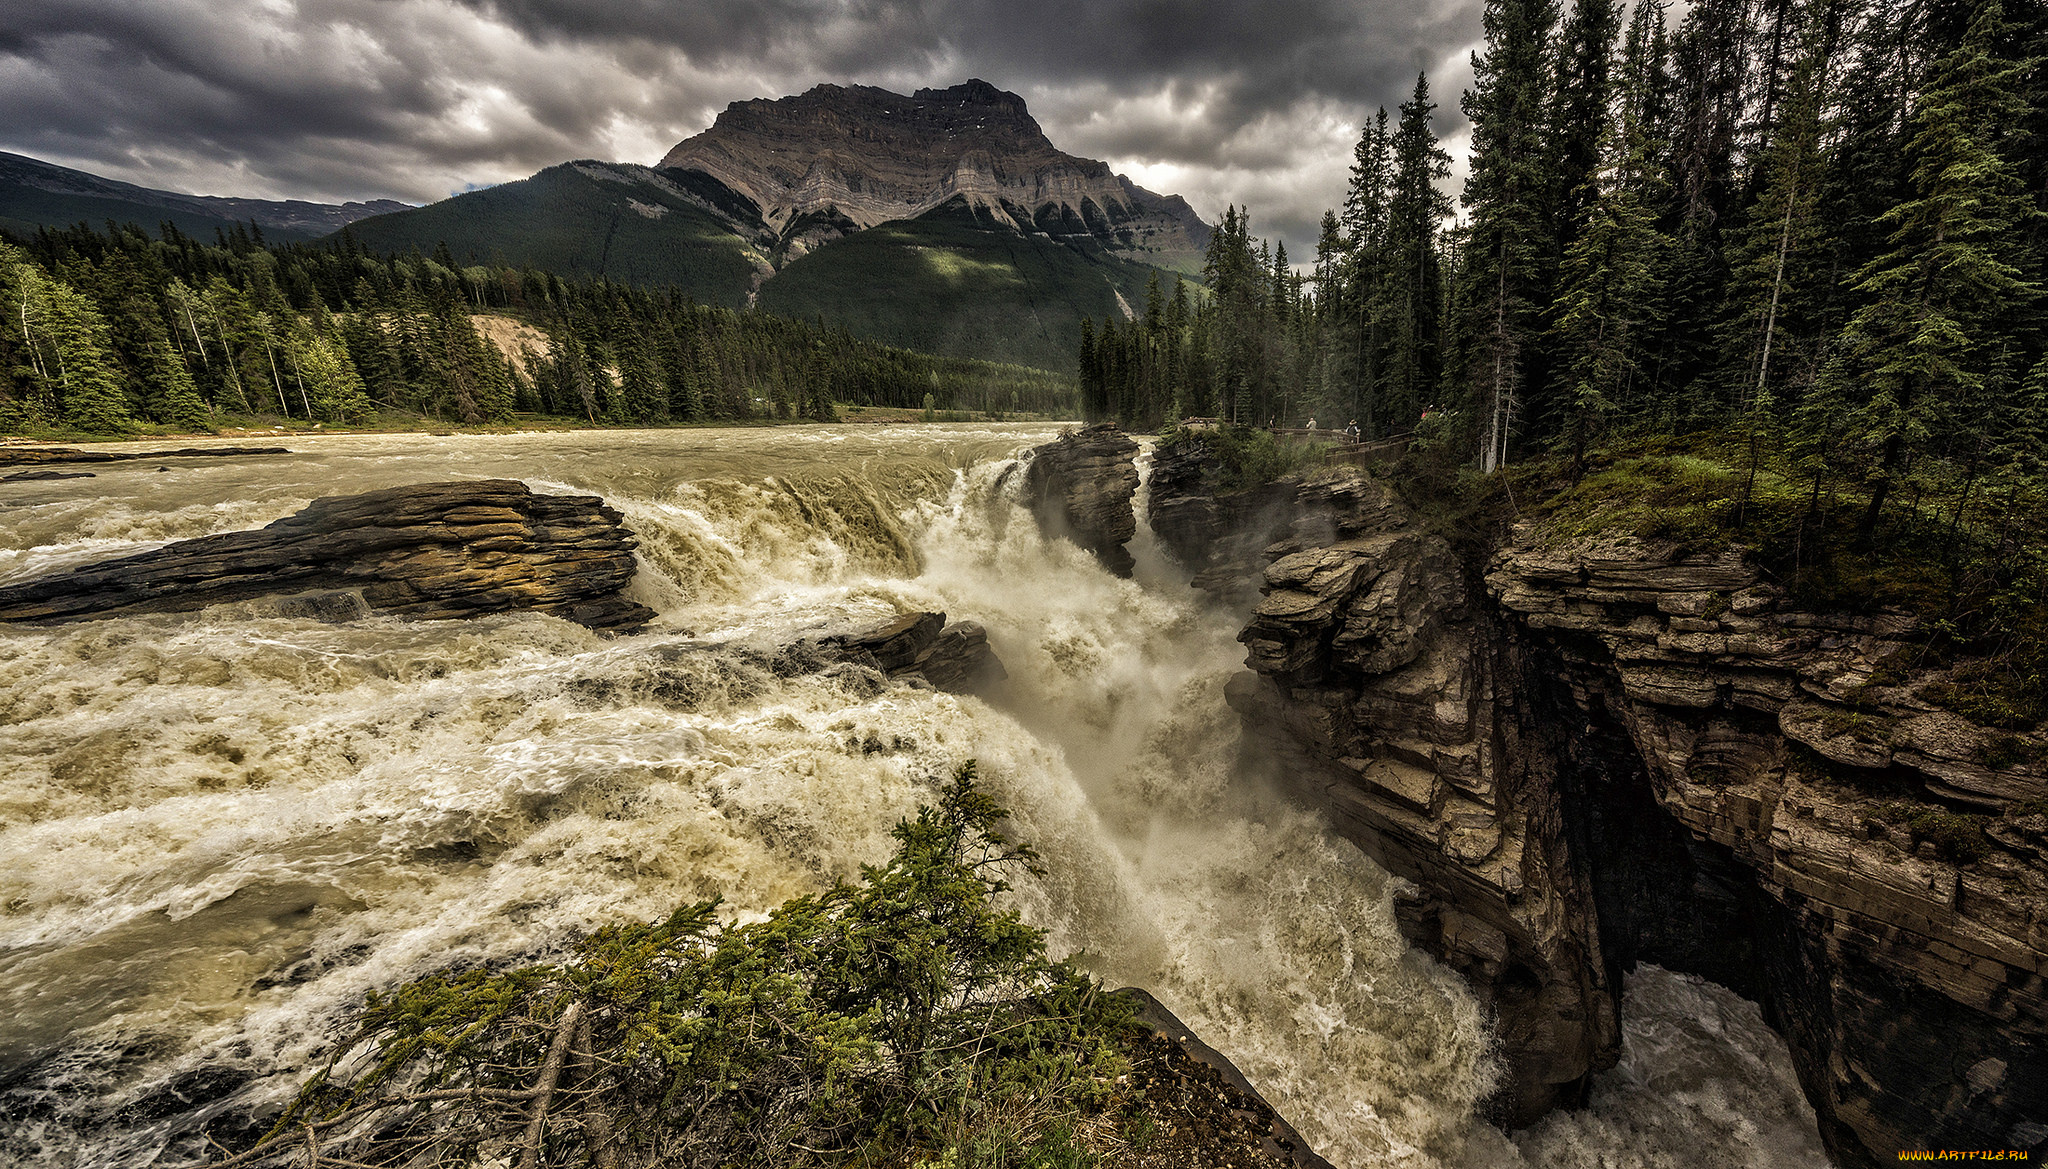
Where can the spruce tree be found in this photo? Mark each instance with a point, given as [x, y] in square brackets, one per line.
[175, 399]
[1609, 296]
[88, 380]
[1502, 290]
[1579, 113]
[1771, 289]
[1939, 302]
[1360, 342]
[1412, 279]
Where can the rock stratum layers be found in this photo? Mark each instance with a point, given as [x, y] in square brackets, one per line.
[430, 551]
[1584, 755]
[837, 159]
[1081, 485]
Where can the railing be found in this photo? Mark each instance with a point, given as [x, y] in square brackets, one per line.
[1343, 450]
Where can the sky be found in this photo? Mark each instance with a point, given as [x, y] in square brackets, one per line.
[1257, 104]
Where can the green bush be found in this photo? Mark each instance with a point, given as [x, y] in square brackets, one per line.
[1957, 838]
[890, 1014]
[1247, 457]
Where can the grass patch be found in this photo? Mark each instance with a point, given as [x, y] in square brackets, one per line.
[1958, 838]
[1974, 573]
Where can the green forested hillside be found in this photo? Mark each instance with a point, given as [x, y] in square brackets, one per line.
[948, 282]
[111, 332]
[36, 194]
[952, 282]
[23, 209]
[627, 224]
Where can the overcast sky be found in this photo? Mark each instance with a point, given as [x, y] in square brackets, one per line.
[1253, 103]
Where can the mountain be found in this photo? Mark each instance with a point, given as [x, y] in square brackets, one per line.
[943, 220]
[629, 223]
[855, 156]
[36, 194]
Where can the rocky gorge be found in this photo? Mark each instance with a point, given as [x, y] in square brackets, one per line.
[1589, 753]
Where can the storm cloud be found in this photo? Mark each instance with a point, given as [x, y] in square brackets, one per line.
[1250, 103]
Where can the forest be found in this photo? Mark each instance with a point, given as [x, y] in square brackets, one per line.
[1818, 222]
[113, 331]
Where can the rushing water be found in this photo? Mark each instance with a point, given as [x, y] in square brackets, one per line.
[218, 830]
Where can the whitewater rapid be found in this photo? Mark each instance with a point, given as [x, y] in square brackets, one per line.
[218, 831]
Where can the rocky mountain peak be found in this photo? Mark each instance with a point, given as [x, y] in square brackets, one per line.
[838, 158]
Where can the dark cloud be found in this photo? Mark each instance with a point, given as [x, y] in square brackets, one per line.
[346, 99]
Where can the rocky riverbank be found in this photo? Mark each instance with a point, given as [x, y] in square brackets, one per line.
[1587, 754]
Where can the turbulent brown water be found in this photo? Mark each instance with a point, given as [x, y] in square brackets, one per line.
[218, 830]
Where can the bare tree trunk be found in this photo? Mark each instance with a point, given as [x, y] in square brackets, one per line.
[544, 1087]
[274, 379]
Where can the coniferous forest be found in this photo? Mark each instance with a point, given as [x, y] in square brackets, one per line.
[1819, 222]
[112, 331]
[1771, 277]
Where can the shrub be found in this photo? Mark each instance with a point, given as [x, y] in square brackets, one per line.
[882, 1014]
[1247, 457]
[1957, 838]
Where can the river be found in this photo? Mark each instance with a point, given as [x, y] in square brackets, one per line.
[219, 830]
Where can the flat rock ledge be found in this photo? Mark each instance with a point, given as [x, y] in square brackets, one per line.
[431, 550]
[17, 456]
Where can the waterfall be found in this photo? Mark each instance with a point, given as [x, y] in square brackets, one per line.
[218, 831]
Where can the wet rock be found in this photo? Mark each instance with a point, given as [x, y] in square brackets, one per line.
[434, 550]
[1227, 537]
[15, 456]
[961, 659]
[43, 476]
[954, 657]
[1598, 753]
[1081, 486]
[1228, 1093]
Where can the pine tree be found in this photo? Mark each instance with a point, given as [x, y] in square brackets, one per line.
[88, 380]
[1580, 114]
[1359, 344]
[1502, 289]
[1772, 258]
[1938, 302]
[175, 399]
[1609, 295]
[1412, 278]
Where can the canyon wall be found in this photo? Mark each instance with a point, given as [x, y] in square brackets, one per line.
[1584, 755]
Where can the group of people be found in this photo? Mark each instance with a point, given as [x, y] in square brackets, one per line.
[1350, 432]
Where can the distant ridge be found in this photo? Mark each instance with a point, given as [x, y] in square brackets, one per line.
[34, 193]
[942, 220]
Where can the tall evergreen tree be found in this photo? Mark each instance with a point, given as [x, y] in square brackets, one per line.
[1413, 280]
[1940, 300]
[1502, 289]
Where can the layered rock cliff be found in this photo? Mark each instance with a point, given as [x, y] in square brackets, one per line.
[1081, 485]
[1585, 755]
[837, 159]
[431, 550]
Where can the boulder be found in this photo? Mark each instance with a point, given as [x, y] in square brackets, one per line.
[432, 550]
[954, 657]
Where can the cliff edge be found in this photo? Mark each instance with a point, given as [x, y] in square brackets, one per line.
[1588, 753]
